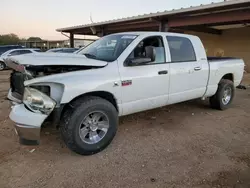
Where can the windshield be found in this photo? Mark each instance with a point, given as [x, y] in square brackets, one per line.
[108, 48]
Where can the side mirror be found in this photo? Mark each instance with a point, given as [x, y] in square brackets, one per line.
[138, 61]
[150, 52]
[150, 57]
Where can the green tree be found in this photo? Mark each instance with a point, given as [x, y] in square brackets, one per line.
[9, 39]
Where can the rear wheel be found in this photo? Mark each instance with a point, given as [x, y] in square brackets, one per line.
[2, 66]
[89, 126]
[224, 95]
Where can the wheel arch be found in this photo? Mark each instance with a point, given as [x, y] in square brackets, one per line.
[228, 76]
[102, 94]
[3, 63]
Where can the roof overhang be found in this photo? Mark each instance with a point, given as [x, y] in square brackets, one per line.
[202, 18]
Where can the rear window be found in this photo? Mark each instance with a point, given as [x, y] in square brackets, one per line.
[181, 49]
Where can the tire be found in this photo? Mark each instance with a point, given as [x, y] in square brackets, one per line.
[219, 101]
[73, 122]
[2, 65]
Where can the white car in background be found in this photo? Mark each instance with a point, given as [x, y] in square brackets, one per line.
[15, 52]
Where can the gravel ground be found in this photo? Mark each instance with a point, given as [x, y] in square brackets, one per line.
[183, 145]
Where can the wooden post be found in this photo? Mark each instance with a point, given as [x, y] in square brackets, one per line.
[71, 40]
[163, 26]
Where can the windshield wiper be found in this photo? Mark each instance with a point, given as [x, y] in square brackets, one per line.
[90, 55]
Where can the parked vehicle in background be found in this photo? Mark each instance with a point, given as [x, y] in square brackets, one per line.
[15, 52]
[6, 48]
[79, 49]
[117, 75]
[63, 50]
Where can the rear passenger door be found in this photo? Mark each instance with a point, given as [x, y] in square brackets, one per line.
[186, 82]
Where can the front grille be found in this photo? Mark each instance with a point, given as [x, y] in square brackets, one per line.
[16, 82]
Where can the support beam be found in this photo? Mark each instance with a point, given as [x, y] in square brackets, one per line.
[163, 26]
[93, 30]
[101, 33]
[131, 27]
[202, 29]
[71, 40]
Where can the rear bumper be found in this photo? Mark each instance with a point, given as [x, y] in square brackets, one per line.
[27, 124]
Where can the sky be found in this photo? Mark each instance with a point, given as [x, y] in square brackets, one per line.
[42, 17]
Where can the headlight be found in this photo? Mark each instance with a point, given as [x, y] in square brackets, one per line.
[37, 101]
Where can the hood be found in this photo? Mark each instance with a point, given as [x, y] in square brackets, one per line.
[46, 58]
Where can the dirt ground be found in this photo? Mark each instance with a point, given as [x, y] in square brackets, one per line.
[186, 145]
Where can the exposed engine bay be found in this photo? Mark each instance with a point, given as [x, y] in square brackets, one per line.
[22, 73]
[34, 71]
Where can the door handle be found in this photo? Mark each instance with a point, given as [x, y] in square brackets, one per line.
[163, 72]
[197, 68]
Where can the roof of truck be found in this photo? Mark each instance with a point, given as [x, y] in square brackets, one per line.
[150, 33]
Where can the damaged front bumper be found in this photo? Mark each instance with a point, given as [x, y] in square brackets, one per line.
[27, 123]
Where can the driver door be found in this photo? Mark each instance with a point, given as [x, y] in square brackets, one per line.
[145, 86]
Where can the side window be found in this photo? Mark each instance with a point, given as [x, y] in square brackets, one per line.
[24, 52]
[181, 49]
[16, 52]
[141, 52]
[19, 52]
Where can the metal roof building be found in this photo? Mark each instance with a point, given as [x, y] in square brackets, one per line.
[203, 18]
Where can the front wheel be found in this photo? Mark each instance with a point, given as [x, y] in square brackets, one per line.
[89, 125]
[224, 95]
[2, 66]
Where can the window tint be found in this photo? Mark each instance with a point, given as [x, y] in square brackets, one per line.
[16, 52]
[24, 52]
[19, 52]
[140, 51]
[181, 49]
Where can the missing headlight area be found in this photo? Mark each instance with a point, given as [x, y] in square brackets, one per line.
[16, 82]
[17, 85]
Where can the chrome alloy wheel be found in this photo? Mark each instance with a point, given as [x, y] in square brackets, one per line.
[227, 95]
[94, 127]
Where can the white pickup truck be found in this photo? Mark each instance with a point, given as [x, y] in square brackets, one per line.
[119, 74]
